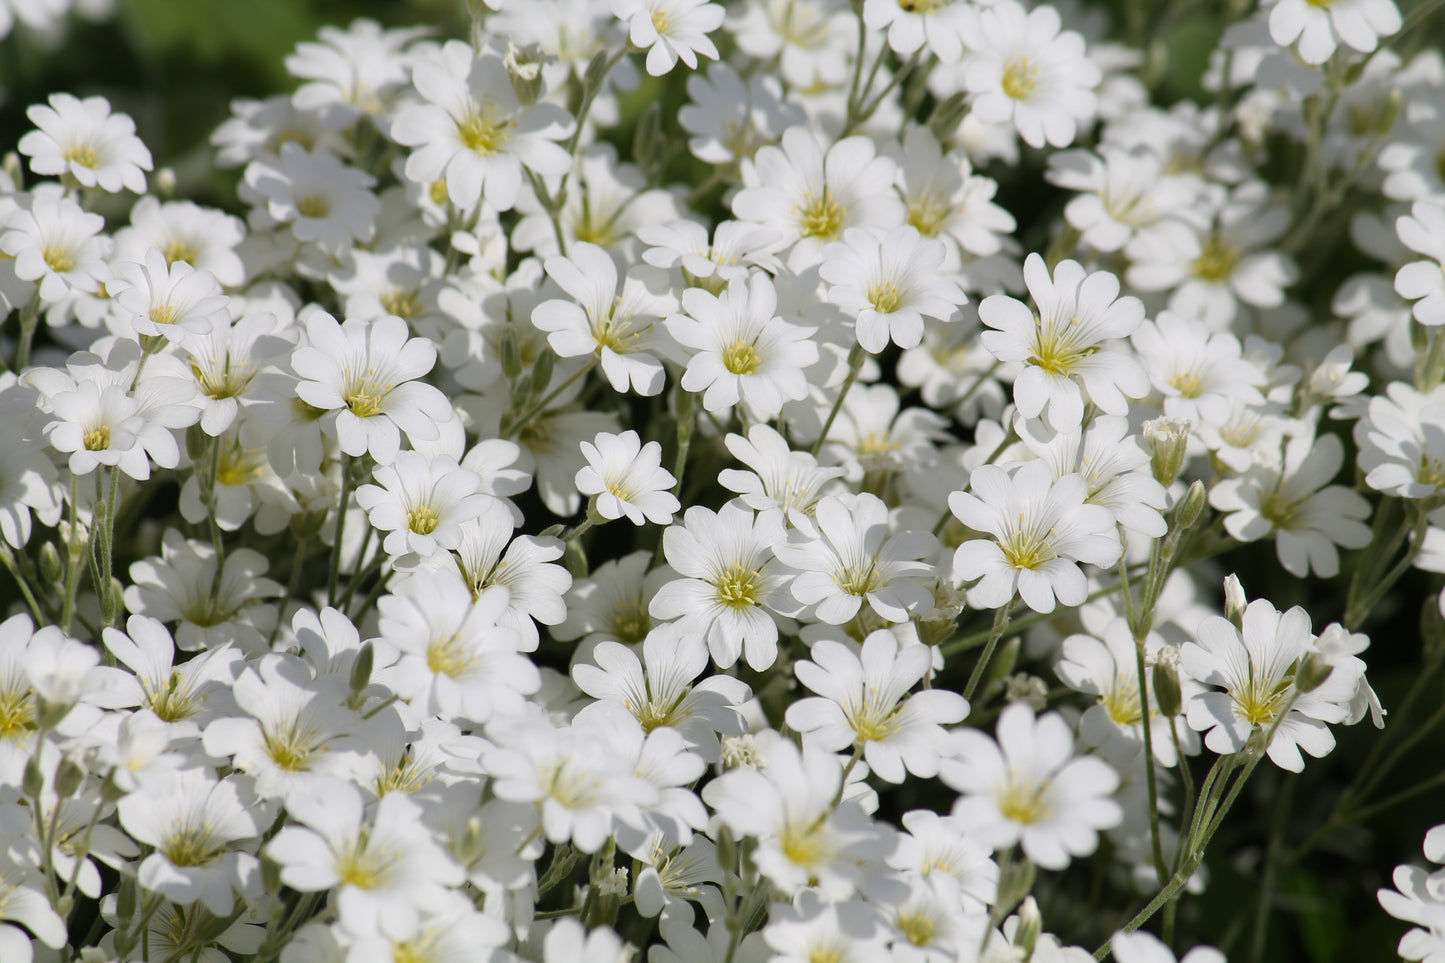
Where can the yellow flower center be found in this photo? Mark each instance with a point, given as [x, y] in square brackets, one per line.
[164, 314]
[364, 397]
[741, 358]
[737, 588]
[917, 927]
[173, 703]
[820, 217]
[97, 439]
[180, 250]
[1023, 803]
[483, 131]
[423, 520]
[928, 212]
[58, 259]
[630, 622]
[1122, 702]
[313, 206]
[17, 712]
[1058, 348]
[191, 846]
[921, 6]
[1020, 78]
[884, 297]
[1216, 261]
[660, 20]
[403, 304]
[1281, 511]
[438, 193]
[1027, 547]
[1431, 472]
[1258, 704]
[207, 612]
[806, 846]
[857, 579]
[450, 656]
[289, 747]
[363, 867]
[1187, 383]
[82, 154]
[876, 719]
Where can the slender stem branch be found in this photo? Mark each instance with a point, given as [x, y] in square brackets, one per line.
[1000, 623]
[334, 571]
[515, 426]
[855, 365]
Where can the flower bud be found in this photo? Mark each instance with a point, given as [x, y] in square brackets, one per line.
[947, 115]
[125, 902]
[361, 668]
[542, 370]
[32, 782]
[524, 67]
[68, 777]
[1164, 678]
[1031, 926]
[1234, 600]
[1003, 663]
[1169, 441]
[511, 354]
[165, 183]
[596, 70]
[649, 144]
[1015, 882]
[1311, 672]
[1190, 507]
[270, 875]
[50, 568]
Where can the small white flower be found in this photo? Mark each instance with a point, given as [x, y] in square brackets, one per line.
[743, 350]
[1321, 25]
[171, 300]
[83, 139]
[1424, 281]
[670, 30]
[888, 284]
[322, 199]
[1141, 947]
[627, 478]
[368, 374]
[911, 25]
[1028, 788]
[57, 245]
[1021, 67]
[1042, 529]
[421, 503]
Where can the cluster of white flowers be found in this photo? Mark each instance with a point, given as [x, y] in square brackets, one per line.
[330, 643]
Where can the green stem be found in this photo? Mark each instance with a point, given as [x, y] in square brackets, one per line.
[29, 321]
[855, 365]
[1000, 622]
[514, 427]
[334, 570]
[7, 555]
[1271, 866]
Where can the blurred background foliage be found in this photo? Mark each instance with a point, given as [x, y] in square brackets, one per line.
[176, 65]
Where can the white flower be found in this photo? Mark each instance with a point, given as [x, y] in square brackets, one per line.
[810, 195]
[384, 872]
[627, 478]
[1320, 25]
[1042, 529]
[322, 199]
[1080, 320]
[169, 300]
[1424, 281]
[455, 659]
[888, 284]
[1199, 373]
[421, 503]
[848, 555]
[182, 696]
[730, 582]
[472, 134]
[736, 247]
[729, 118]
[191, 820]
[58, 245]
[1142, 947]
[1402, 442]
[1029, 789]
[661, 689]
[861, 703]
[670, 30]
[367, 373]
[1254, 669]
[911, 25]
[946, 199]
[743, 350]
[1022, 68]
[1293, 501]
[781, 479]
[621, 330]
[1420, 901]
[1121, 190]
[943, 851]
[83, 139]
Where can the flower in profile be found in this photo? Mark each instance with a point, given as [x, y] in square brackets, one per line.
[83, 139]
[627, 478]
[1029, 789]
[368, 372]
[1042, 529]
[889, 284]
[670, 30]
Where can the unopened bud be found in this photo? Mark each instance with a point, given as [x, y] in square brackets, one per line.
[68, 777]
[48, 713]
[308, 525]
[1389, 113]
[197, 441]
[270, 875]
[1311, 672]
[50, 568]
[575, 558]
[542, 369]
[14, 170]
[524, 67]
[1169, 443]
[1015, 882]
[947, 115]
[125, 901]
[649, 145]
[1031, 926]
[361, 668]
[1004, 661]
[165, 183]
[1234, 600]
[1164, 678]
[1191, 506]
[511, 354]
[727, 849]
[596, 71]
[32, 782]
[472, 845]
